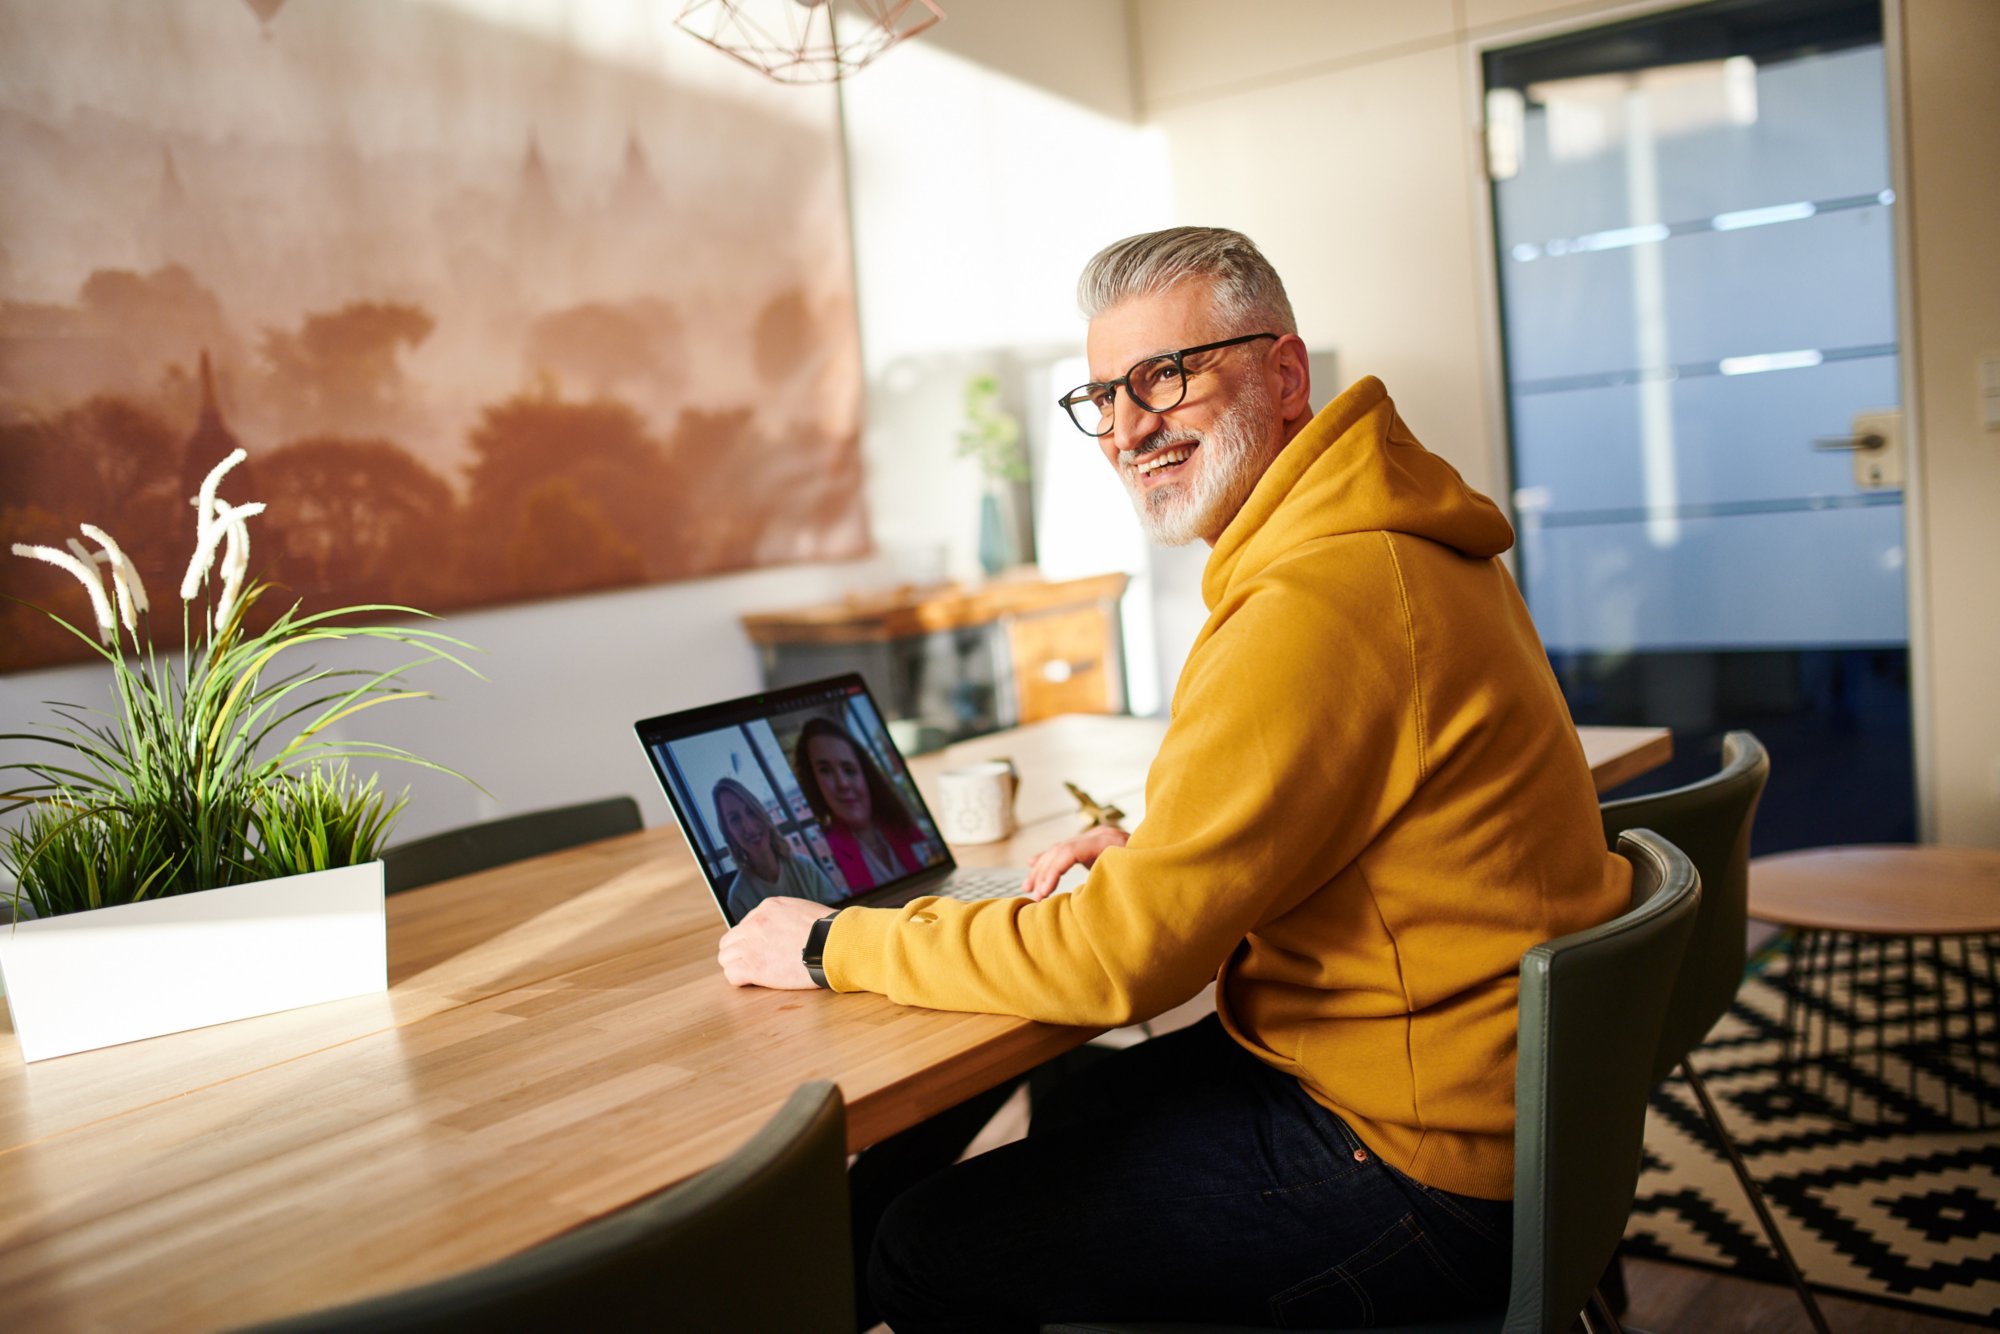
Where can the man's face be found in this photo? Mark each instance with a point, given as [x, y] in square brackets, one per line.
[1190, 468]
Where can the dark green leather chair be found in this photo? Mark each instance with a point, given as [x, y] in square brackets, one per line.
[758, 1242]
[1710, 821]
[481, 847]
[1592, 1006]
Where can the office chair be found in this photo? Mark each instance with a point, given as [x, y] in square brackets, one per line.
[759, 1241]
[1710, 821]
[480, 847]
[1592, 1007]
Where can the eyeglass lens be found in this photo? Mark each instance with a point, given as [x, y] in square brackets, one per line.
[1156, 385]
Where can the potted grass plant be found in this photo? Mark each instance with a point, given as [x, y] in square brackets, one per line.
[201, 850]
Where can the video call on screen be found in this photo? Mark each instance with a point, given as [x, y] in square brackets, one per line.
[810, 801]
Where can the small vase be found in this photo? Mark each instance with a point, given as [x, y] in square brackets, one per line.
[137, 970]
[996, 545]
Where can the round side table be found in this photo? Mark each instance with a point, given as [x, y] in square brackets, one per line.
[1867, 922]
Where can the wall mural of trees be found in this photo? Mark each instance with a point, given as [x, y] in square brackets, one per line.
[506, 299]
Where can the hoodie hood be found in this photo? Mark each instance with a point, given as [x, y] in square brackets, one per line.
[1354, 468]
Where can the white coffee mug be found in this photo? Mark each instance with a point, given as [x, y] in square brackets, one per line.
[976, 803]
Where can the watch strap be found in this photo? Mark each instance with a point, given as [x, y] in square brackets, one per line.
[814, 954]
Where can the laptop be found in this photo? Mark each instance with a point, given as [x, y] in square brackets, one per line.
[802, 792]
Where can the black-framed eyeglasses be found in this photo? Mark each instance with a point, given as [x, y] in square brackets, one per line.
[1157, 384]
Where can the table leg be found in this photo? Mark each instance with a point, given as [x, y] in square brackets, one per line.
[1993, 1007]
[1787, 1063]
[1854, 979]
[1972, 1029]
[1882, 990]
[1910, 1026]
[1826, 971]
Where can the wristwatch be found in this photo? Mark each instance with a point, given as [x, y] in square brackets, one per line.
[815, 950]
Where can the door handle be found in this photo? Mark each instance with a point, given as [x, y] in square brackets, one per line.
[1874, 449]
[1869, 441]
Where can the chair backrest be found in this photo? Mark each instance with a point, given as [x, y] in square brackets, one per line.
[760, 1241]
[1591, 1008]
[480, 847]
[1710, 822]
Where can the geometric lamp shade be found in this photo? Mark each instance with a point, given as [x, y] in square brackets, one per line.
[805, 41]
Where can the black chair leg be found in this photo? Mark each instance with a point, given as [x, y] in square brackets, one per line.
[1597, 1317]
[1756, 1198]
[1611, 1285]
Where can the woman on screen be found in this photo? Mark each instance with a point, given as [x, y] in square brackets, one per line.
[868, 829]
[766, 865]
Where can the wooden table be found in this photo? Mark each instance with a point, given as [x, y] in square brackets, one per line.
[556, 1042]
[1889, 910]
[1889, 889]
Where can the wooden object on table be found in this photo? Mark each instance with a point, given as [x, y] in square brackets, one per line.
[1902, 890]
[1619, 754]
[557, 1041]
[1044, 647]
[1893, 904]
[1095, 812]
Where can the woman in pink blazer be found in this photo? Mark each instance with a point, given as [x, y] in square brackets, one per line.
[868, 828]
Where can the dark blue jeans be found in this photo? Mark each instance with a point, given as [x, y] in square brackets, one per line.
[1183, 1179]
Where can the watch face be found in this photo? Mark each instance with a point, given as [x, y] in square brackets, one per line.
[815, 951]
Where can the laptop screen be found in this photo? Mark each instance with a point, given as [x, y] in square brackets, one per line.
[796, 792]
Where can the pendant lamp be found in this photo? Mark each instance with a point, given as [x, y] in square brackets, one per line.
[806, 41]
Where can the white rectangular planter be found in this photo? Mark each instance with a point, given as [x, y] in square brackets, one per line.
[94, 979]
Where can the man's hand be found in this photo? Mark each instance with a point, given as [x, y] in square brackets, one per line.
[765, 949]
[1052, 861]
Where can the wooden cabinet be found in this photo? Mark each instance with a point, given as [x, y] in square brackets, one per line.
[958, 660]
[1065, 660]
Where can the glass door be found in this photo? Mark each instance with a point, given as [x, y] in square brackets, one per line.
[1693, 216]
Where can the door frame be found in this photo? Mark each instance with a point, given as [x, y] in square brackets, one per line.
[1493, 387]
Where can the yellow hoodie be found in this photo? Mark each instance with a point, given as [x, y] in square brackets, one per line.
[1369, 803]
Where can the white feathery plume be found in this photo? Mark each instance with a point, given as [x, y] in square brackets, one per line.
[86, 573]
[208, 526]
[208, 536]
[132, 602]
[224, 512]
[204, 501]
[236, 555]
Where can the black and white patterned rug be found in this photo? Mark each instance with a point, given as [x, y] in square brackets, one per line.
[1879, 1196]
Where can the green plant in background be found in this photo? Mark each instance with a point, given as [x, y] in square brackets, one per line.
[991, 434]
[212, 769]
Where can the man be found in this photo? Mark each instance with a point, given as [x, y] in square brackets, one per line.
[1370, 801]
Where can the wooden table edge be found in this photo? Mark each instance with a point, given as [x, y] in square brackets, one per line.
[1014, 1051]
[1654, 751]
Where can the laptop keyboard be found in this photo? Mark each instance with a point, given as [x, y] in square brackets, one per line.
[972, 885]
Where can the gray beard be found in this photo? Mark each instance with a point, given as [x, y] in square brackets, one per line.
[1179, 512]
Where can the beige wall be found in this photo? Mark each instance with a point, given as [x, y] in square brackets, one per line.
[964, 262]
[1375, 227]
[962, 146]
[1953, 139]
[1342, 135]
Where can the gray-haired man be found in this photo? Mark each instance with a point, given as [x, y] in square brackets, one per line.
[1368, 804]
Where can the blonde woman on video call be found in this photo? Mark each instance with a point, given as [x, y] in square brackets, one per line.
[766, 865]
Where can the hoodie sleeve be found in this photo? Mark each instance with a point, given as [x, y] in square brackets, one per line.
[1296, 736]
